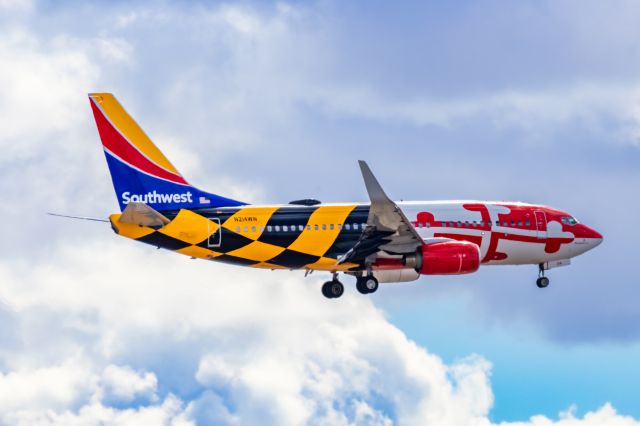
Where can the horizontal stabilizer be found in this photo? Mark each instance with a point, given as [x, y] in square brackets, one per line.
[142, 215]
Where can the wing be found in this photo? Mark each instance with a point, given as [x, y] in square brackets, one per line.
[388, 229]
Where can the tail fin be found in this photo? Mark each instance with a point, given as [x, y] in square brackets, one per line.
[140, 172]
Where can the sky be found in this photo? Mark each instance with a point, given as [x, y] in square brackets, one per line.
[273, 101]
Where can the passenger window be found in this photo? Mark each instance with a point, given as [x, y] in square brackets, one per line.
[324, 226]
[285, 228]
[340, 226]
[355, 226]
[315, 226]
[262, 229]
[308, 227]
[513, 223]
[505, 223]
[253, 229]
[246, 229]
[331, 227]
[347, 226]
[300, 228]
[497, 223]
[520, 223]
[428, 224]
[527, 223]
[238, 229]
[269, 228]
[277, 228]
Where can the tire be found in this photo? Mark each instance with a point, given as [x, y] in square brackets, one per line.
[367, 285]
[371, 284]
[336, 289]
[326, 290]
[542, 282]
[360, 285]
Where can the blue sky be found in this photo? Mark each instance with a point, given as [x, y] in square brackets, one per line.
[269, 102]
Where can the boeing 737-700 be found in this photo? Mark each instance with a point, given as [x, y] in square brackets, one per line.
[377, 242]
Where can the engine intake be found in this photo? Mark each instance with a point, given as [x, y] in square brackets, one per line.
[445, 258]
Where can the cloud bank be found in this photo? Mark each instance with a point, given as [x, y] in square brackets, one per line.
[112, 332]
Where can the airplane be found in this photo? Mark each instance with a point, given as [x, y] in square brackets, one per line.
[377, 242]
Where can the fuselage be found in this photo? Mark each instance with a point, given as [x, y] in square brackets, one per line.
[314, 237]
[379, 241]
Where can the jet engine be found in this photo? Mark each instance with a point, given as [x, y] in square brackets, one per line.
[445, 258]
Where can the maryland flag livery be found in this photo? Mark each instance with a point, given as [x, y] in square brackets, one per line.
[380, 241]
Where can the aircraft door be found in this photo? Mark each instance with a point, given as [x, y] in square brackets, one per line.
[541, 224]
[214, 232]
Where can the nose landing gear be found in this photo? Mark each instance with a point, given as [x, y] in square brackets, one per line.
[542, 281]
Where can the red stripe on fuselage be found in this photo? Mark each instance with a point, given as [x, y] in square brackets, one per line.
[117, 144]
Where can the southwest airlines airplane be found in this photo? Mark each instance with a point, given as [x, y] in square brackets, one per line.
[378, 242]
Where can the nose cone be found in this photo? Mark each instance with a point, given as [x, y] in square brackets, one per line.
[594, 238]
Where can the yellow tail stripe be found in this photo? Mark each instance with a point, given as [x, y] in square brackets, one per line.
[130, 129]
[129, 230]
[317, 242]
[190, 227]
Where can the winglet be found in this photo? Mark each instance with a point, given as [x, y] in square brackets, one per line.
[384, 214]
[376, 193]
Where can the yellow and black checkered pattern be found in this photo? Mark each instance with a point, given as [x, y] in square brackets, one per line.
[314, 237]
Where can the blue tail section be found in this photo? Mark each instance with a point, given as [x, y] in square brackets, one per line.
[139, 170]
[162, 195]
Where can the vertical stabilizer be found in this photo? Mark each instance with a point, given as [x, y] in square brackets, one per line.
[139, 170]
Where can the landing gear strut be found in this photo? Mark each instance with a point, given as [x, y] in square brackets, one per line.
[542, 281]
[333, 289]
[366, 284]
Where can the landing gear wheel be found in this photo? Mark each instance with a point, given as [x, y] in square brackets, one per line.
[542, 282]
[366, 285]
[332, 289]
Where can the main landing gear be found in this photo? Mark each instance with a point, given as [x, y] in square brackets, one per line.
[542, 281]
[333, 289]
[366, 284]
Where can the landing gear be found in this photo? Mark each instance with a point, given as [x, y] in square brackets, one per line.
[542, 281]
[332, 289]
[367, 284]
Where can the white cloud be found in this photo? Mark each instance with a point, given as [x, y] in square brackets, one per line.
[170, 412]
[124, 384]
[261, 347]
[52, 387]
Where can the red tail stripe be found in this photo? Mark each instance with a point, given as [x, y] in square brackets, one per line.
[118, 145]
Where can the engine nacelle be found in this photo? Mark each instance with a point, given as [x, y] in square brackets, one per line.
[445, 258]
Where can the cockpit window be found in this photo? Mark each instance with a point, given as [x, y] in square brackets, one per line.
[568, 220]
